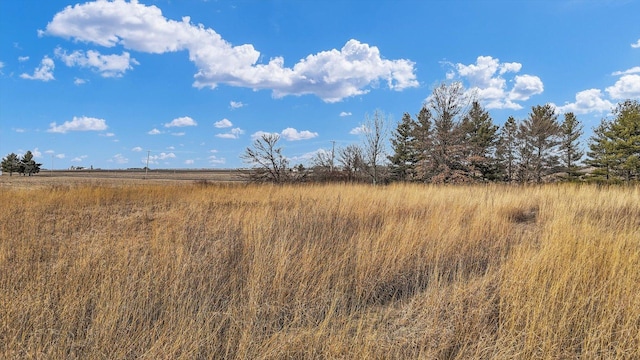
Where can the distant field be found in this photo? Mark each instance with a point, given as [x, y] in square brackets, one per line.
[175, 268]
[62, 177]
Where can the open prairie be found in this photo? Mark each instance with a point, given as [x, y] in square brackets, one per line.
[198, 270]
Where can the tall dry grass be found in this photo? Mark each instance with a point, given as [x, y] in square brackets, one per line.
[321, 271]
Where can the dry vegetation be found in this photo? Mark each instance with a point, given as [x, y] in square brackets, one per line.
[188, 271]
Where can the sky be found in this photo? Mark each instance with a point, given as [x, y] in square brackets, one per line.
[192, 83]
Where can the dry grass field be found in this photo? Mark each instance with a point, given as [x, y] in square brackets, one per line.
[195, 270]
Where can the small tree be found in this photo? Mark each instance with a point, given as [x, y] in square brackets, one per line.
[375, 136]
[570, 132]
[352, 161]
[28, 166]
[267, 159]
[11, 164]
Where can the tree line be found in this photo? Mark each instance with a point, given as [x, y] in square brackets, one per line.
[25, 165]
[453, 139]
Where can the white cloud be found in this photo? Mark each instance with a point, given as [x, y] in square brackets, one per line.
[627, 87]
[119, 159]
[182, 133]
[331, 75]
[232, 134]
[136, 149]
[636, 45]
[79, 158]
[633, 70]
[224, 123]
[292, 134]
[345, 113]
[362, 129]
[19, 130]
[155, 159]
[214, 160]
[83, 123]
[154, 131]
[487, 81]
[587, 101]
[1, 66]
[526, 86]
[36, 153]
[44, 72]
[236, 104]
[23, 58]
[189, 162]
[106, 65]
[59, 156]
[181, 122]
[258, 134]
[79, 81]
[108, 134]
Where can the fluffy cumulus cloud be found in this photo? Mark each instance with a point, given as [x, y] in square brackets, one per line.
[231, 134]
[106, 65]
[332, 75]
[44, 72]
[627, 87]
[136, 149]
[636, 45]
[224, 123]
[345, 113]
[154, 131]
[292, 134]
[82, 123]
[587, 101]
[181, 122]
[487, 79]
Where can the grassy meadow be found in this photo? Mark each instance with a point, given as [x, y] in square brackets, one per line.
[201, 270]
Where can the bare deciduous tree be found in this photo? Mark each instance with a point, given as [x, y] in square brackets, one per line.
[269, 165]
[375, 137]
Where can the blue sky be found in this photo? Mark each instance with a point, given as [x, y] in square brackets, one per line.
[193, 82]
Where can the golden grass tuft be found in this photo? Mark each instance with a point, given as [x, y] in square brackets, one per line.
[189, 271]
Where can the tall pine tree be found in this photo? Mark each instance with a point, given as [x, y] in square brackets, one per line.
[540, 133]
[480, 137]
[403, 160]
[570, 132]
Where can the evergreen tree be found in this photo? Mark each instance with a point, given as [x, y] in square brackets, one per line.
[11, 164]
[448, 104]
[570, 132]
[404, 158]
[480, 137]
[615, 145]
[600, 153]
[540, 133]
[624, 134]
[423, 144]
[507, 152]
[28, 166]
